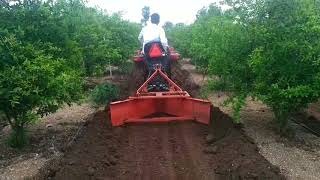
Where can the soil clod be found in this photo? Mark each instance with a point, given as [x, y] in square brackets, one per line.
[210, 139]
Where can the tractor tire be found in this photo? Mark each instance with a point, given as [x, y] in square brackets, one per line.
[137, 76]
[183, 79]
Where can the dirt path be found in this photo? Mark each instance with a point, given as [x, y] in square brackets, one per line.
[166, 151]
[163, 151]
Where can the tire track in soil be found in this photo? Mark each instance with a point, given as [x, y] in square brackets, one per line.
[165, 151]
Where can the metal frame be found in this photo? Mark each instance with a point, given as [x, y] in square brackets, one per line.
[175, 102]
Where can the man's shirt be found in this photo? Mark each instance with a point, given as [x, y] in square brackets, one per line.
[153, 32]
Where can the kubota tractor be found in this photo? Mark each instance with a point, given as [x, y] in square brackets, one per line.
[159, 99]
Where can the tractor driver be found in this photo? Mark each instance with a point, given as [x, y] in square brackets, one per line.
[153, 33]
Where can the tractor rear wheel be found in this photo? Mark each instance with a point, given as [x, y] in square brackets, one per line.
[138, 75]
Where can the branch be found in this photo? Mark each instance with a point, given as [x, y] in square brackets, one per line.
[9, 119]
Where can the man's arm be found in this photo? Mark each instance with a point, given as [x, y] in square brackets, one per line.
[163, 39]
[140, 37]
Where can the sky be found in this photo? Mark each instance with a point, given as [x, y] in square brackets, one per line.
[176, 11]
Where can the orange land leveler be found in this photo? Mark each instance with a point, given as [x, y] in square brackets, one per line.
[159, 99]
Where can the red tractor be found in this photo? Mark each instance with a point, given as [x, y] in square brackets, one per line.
[156, 57]
[159, 99]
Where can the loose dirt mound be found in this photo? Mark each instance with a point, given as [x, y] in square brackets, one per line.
[94, 154]
[237, 155]
[310, 122]
[164, 151]
[183, 79]
[137, 78]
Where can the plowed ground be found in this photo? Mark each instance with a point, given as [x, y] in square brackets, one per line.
[162, 151]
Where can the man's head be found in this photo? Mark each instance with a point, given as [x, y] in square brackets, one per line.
[155, 18]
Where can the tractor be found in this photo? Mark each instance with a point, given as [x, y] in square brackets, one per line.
[159, 99]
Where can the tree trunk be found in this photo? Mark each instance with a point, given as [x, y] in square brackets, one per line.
[18, 137]
[281, 118]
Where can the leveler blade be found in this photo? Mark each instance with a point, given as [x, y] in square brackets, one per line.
[180, 109]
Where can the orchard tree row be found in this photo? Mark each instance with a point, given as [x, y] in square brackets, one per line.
[265, 49]
[46, 50]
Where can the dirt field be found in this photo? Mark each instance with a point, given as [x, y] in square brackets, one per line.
[93, 149]
[163, 151]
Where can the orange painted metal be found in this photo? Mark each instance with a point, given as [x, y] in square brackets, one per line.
[175, 102]
[174, 55]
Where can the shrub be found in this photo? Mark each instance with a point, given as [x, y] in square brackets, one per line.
[103, 94]
[33, 84]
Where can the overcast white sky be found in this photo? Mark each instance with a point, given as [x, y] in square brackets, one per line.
[175, 11]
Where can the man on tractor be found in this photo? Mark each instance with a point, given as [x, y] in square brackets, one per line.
[155, 50]
[153, 33]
